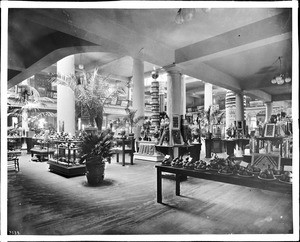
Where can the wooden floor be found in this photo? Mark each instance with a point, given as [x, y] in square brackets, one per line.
[43, 203]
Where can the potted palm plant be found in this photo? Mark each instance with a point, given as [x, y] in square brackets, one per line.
[95, 150]
[93, 92]
[132, 120]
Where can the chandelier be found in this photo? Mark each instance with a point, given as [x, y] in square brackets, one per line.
[281, 78]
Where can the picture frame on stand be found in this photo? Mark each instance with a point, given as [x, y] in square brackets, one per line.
[269, 131]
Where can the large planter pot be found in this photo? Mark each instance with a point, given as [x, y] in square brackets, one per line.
[94, 171]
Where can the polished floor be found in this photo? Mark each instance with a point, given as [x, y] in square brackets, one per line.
[44, 203]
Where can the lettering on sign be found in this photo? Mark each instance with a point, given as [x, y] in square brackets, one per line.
[176, 122]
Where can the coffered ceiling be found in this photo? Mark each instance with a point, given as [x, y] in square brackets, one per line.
[234, 48]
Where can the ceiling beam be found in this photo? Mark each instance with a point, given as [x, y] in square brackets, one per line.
[282, 97]
[50, 59]
[261, 95]
[209, 74]
[99, 31]
[271, 30]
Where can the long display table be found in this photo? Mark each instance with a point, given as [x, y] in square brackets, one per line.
[253, 182]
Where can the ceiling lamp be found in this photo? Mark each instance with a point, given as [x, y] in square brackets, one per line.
[281, 78]
[184, 15]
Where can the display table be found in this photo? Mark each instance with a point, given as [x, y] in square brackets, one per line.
[12, 156]
[253, 182]
[124, 146]
[270, 139]
[42, 153]
[147, 151]
[179, 150]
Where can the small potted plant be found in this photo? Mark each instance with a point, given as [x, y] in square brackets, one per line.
[95, 150]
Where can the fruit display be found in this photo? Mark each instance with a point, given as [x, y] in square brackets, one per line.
[200, 165]
[277, 172]
[255, 169]
[188, 163]
[245, 171]
[266, 174]
[286, 177]
[226, 170]
[177, 162]
[166, 161]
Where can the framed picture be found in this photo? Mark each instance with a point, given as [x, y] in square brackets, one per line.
[269, 130]
[176, 136]
[239, 125]
[176, 122]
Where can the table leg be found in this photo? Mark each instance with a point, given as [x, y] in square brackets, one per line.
[131, 158]
[159, 190]
[177, 190]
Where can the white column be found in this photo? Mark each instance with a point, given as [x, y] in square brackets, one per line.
[239, 105]
[174, 98]
[66, 97]
[174, 93]
[239, 116]
[138, 95]
[269, 107]
[183, 88]
[138, 92]
[207, 96]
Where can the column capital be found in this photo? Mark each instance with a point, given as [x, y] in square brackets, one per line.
[268, 102]
[172, 69]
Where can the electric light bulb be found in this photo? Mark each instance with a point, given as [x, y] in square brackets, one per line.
[288, 79]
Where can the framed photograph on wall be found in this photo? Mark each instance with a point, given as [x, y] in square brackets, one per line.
[269, 130]
[176, 122]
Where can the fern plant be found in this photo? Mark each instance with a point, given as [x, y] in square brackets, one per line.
[96, 148]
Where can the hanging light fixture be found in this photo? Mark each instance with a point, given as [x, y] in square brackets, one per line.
[184, 15]
[80, 65]
[281, 78]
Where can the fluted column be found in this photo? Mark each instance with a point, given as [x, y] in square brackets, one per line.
[65, 97]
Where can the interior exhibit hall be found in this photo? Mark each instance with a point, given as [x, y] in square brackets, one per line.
[151, 121]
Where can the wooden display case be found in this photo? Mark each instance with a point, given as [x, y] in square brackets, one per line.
[66, 162]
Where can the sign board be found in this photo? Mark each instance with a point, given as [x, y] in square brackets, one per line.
[176, 122]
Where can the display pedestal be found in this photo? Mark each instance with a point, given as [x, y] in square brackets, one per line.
[230, 144]
[147, 151]
[208, 146]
